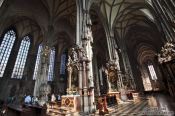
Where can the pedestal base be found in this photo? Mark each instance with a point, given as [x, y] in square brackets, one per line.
[116, 94]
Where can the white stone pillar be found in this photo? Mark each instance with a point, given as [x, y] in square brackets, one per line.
[69, 69]
[96, 76]
[42, 76]
[80, 85]
[84, 40]
[85, 88]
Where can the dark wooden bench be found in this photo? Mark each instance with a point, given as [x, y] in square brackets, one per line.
[25, 110]
[16, 110]
[37, 110]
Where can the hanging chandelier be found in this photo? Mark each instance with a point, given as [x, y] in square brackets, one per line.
[167, 53]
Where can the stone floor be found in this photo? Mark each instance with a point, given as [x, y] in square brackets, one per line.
[151, 105]
[154, 105]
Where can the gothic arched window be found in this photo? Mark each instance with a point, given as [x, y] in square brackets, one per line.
[51, 64]
[38, 59]
[152, 72]
[63, 64]
[21, 58]
[5, 49]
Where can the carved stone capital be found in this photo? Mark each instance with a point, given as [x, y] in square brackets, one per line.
[111, 65]
[167, 52]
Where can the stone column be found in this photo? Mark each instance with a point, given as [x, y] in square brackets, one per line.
[87, 40]
[42, 76]
[85, 88]
[80, 84]
[119, 73]
[27, 80]
[100, 76]
[127, 65]
[84, 40]
[69, 69]
[119, 82]
[96, 78]
[169, 71]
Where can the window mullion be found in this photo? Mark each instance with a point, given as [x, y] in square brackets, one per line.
[5, 49]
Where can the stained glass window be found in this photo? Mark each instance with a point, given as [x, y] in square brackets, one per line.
[38, 59]
[5, 49]
[63, 64]
[152, 72]
[21, 58]
[51, 64]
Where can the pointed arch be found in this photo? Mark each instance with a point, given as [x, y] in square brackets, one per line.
[5, 49]
[21, 58]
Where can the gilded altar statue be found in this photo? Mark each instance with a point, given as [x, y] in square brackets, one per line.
[111, 72]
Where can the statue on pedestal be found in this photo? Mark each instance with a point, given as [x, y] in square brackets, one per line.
[111, 72]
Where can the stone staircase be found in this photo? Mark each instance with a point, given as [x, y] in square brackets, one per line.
[53, 110]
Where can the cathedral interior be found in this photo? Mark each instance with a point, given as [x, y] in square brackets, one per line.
[87, 57]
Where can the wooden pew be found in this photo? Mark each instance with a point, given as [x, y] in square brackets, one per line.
[16, 110]
[37, 110]
[25, 110]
